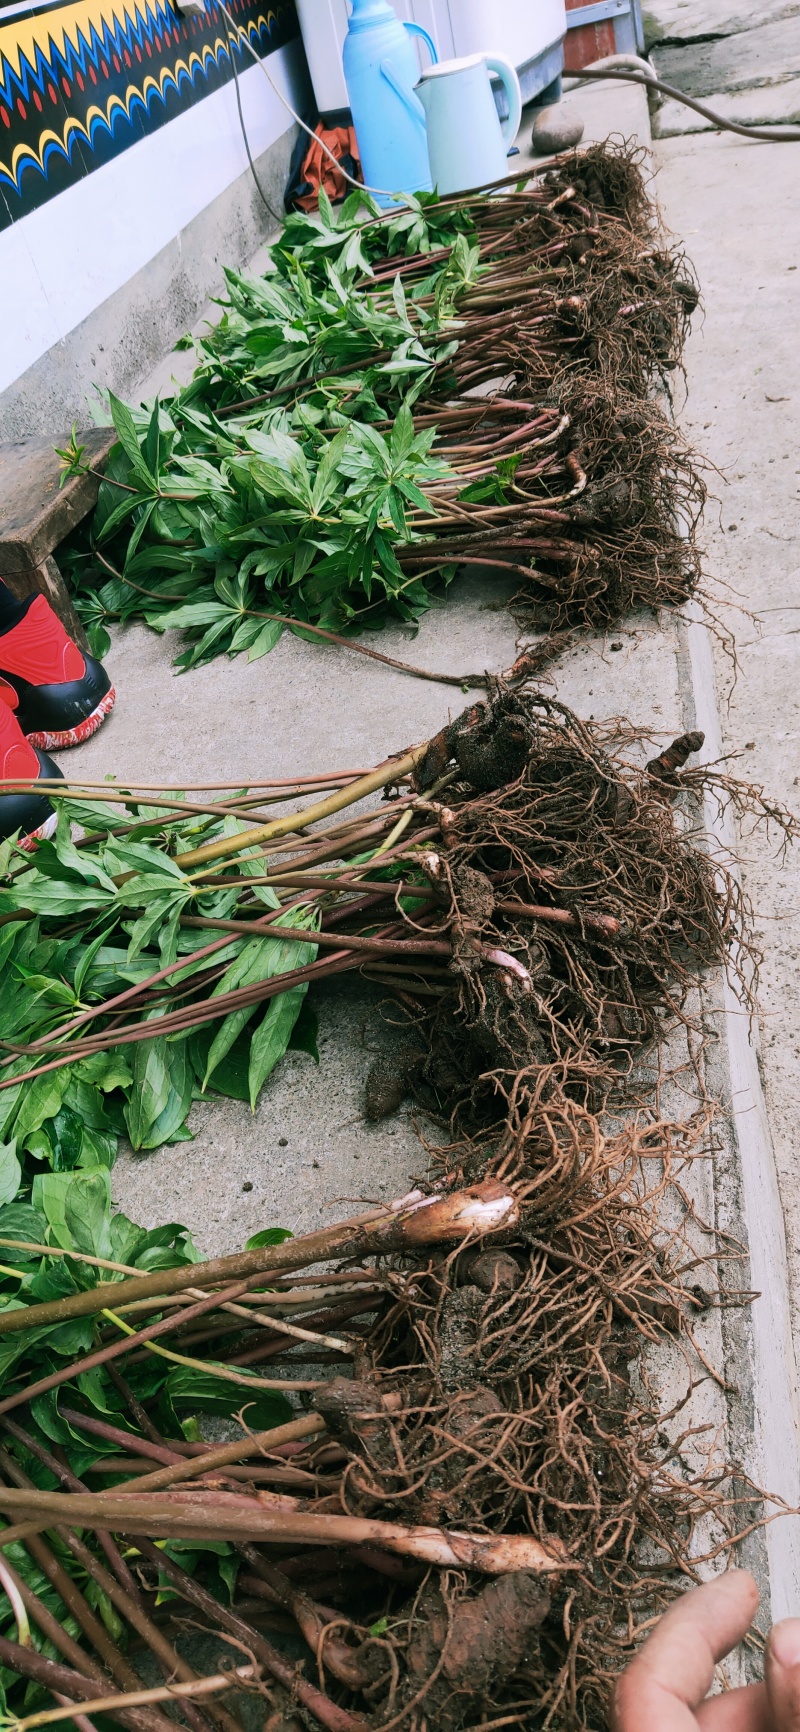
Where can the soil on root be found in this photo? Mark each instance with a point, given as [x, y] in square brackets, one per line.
[581, 906]
[495, 1393]
[629, 540]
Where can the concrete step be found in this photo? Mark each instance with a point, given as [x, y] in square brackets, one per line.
[691, 20]
[762, 105]
[769, 55]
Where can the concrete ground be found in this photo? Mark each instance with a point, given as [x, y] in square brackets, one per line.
[307, 1154]
[298, 711]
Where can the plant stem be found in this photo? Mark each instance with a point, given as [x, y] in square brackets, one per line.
[391, 772]
[125, 1602]
[332, 1717]
[114, 1348]
[168, 1656]
[63, 1681]
[233, 1517]
[333, 940]
[137, 1698]
[311, 1425]
[483, 1208]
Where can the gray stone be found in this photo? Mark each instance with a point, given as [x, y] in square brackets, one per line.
[556, 128]
[690, 20]
[768, 55]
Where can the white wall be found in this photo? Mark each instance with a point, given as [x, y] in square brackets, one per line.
[59, 263]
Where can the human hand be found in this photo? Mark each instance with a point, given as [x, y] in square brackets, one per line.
[665, 1688]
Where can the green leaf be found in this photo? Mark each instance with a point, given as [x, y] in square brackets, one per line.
[150, 1089]
[87, 1211]
[305, 1034]
[195, 613]
[10, 1174]
[268, 636]
[79, 863]
[48, 1193]
[53, 897]
[268, 1236]
[131, 502]
[271, 1038]
[161, 1092]
[151, 450]
[193, 1391]
[86, 959]
[129, 439]
[259, 959]
[163, 912]
[65, 1134]
[42, 1100]
[127, 1240]
[329, 468]
[106, 1070]
[98, 1148]
[9, 1101]
[21, 1221]
[230, 1075]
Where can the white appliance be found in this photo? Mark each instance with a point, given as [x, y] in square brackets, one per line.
[529, 33]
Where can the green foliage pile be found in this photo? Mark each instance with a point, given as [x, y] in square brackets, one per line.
[95, 921]
[301, 504]
[313, 452]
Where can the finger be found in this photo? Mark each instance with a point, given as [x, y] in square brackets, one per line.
[782, 1673]
[737, 1711]
[675, 1668]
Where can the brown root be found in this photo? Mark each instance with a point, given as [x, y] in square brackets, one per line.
[469, 1650]
[588, 882]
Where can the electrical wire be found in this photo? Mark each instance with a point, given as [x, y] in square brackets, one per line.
[772, 135]
[382, 191]
[259, 188]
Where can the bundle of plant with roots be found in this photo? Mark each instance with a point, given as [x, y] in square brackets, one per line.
[592, 508]
[467, 1524]
[610, 294]
[330, 463]
[538, 903]
[569, 265]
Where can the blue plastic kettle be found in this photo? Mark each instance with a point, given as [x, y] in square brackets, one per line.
[380, 69]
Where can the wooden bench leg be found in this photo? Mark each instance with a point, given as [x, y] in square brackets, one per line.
[46, 578]
[52, 584]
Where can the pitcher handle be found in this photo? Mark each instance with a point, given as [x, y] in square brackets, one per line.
[417, 30]
[505, 71]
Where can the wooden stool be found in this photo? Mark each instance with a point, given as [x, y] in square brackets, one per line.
[36, 514]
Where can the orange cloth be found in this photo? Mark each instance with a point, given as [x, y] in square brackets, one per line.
[318, 170]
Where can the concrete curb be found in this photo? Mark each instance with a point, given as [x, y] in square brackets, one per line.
[773, 1458]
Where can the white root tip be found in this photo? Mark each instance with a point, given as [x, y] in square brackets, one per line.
[484, 1208]
[510, 965]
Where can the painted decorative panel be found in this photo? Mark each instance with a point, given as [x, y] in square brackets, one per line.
[81, 82]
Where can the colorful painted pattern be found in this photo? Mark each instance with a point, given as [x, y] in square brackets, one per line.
[82, 81]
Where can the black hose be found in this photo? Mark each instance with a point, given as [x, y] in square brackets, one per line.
[781, 135]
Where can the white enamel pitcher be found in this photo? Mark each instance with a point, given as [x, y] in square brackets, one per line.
[467, 145]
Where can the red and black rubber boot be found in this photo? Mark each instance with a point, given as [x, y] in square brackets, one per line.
[59, 695]
[23, 809]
